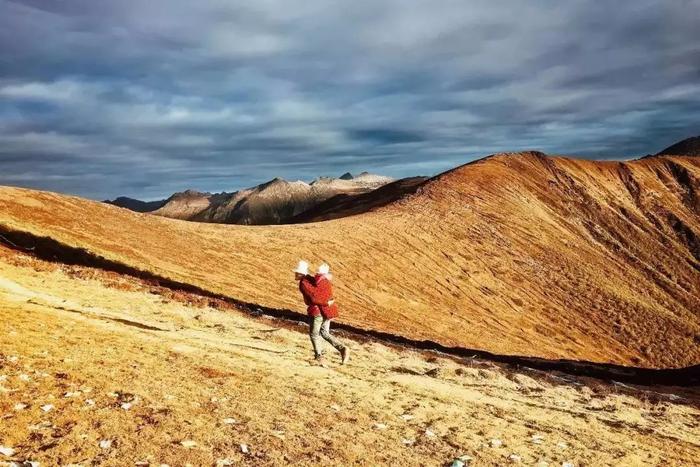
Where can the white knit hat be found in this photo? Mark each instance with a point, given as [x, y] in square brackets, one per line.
[302, 268]
[324, 269]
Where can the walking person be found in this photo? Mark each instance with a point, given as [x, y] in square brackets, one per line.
[321, 308]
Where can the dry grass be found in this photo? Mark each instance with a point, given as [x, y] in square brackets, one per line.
[73, 335]
[516, 254]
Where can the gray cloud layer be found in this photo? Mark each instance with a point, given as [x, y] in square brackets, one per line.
[146, 98]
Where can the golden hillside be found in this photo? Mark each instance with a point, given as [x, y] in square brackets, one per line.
[514, 254]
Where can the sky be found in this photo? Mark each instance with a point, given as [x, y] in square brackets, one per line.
[146, 98]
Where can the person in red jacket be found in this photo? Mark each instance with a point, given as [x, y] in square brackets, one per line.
[317, 292]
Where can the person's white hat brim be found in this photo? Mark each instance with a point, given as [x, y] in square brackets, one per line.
[302, 268]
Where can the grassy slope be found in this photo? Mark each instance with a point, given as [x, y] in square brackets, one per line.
[73, 335]
[515, 254]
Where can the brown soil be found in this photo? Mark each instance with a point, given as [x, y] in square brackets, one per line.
[515, 254]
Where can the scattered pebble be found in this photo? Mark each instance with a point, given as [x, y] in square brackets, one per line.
[20, 406]
[188, 443]
[89, 402]
[24, 377]
[461, 461]
[5, 451]
[430, 433]
[126, 405]
[407, 417]
[278, 433]
[407, 441]
[562, 445]
[229, 421]
[567, 464]
[496, 443]
[47, 407]
[335, 407]
[113, 394]
[3, 377]
[72, 394]
[515, 458]
[12, 359]
[244, 449]
[41, 425]
[537, 439]
[223, 462]
[106, 443]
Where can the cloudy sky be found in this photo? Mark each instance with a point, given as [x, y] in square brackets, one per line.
[144, 98]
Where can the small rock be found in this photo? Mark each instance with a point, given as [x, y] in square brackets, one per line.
[5, 451]
[72, 394]
[278, 434]
[223, 462]
[430, 433]
[514, 458]
[562, 445]
[24, 377]
[229, 421]
[244, 449]
[188, 443]
[407, 441]
[461, 461]
[126, 405]
[496, 443]
[47, 407]
[106, 443]
[537, 439]
[335, 407]
[567, 464]
[30, 464]
[89, 402]
[380, 426]
[142, 463]
[407, 417]
[20, 406]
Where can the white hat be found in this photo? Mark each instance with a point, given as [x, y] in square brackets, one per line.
[324, 269]
[302, 268]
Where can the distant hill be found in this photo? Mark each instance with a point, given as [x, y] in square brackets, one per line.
[687, 147]
[136, 204]
[344, 205]
[273, 202]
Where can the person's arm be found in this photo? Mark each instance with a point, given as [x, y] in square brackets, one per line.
[319, 294]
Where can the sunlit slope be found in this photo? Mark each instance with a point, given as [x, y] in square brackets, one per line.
[516, 254]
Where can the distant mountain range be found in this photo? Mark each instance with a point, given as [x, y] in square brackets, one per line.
[275, 202]
[136, 204]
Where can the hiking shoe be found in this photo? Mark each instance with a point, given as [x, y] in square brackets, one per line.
[345, 354]
[319, 361]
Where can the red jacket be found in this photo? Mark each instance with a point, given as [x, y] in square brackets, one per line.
[317, 292]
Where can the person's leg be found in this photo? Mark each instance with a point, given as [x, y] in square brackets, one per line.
[326, 334]
[315, 325]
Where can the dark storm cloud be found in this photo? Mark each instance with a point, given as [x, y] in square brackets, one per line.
[146, 98]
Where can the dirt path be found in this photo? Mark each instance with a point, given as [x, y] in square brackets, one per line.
[147, 375]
